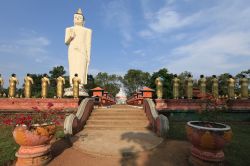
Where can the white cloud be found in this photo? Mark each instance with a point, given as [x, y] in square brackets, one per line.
[27, 54]
[212, 40]
[141, 53]
[145, 33]
[167, 19]
[34, 41]
[26, 47]
[214, 55]
[117, 15]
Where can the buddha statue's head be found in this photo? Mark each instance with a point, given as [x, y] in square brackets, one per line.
[79, 18]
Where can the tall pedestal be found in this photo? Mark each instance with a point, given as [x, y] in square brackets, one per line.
[68, 92]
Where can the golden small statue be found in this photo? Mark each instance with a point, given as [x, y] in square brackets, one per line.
[244, 87]
[176, 83]
[59, 87]
[202, 85]
[230, 87]
[45, 84]
[159, 90]
[28, 81]
[1, 81]
[189, 87]
[1, 84]
[76, 81]
[215, 87]
[13, 81]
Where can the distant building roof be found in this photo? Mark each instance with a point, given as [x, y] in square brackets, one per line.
[147, 89]
[97, 88]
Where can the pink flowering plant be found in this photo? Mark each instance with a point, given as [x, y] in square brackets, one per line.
[212, 110]
[39, 117]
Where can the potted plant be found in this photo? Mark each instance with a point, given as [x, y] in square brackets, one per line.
[33, 132]
[208, 137]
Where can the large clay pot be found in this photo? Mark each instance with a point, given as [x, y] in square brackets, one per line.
[208, 140]
[34, 144]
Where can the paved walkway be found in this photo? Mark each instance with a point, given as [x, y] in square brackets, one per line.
[168, 153]
[119, 136]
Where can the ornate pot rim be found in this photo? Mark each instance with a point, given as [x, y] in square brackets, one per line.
[43, 124]
[37, 124]
[224, 126]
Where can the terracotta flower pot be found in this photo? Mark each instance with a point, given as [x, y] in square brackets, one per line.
[34, 144]
[208, 140]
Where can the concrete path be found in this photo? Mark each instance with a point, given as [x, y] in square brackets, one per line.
[118, 136]
[168, 153]
[116, 131]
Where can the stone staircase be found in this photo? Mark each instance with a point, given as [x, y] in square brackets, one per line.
[119, 117]
[116, 131]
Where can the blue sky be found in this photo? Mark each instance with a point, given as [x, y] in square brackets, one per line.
[204, 37]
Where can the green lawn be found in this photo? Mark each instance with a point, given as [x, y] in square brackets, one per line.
[8, 147]
[236, 153]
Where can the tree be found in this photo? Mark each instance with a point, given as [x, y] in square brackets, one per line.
[36, 87]
[90, 84]
[110, 83]
[223, 83]
[182, 76]
[209, 84]
[134, 80]
[57, 71]
[54, 74]
[167, 79]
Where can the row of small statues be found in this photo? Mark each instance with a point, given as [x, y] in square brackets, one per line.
[45, 82]
[202, 87]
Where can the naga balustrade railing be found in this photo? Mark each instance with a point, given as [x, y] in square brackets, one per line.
[158, 123]
[75, 122]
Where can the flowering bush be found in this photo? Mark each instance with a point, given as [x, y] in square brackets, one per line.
[33, 119]
[212, 109]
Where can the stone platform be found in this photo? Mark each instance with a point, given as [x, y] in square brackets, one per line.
[68, 92]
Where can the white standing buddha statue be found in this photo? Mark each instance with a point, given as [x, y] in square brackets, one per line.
[78, 39]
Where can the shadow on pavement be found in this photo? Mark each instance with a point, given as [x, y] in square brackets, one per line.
[59, 146]
[169, 152]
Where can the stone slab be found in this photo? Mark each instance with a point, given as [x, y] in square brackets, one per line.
[115, 142]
